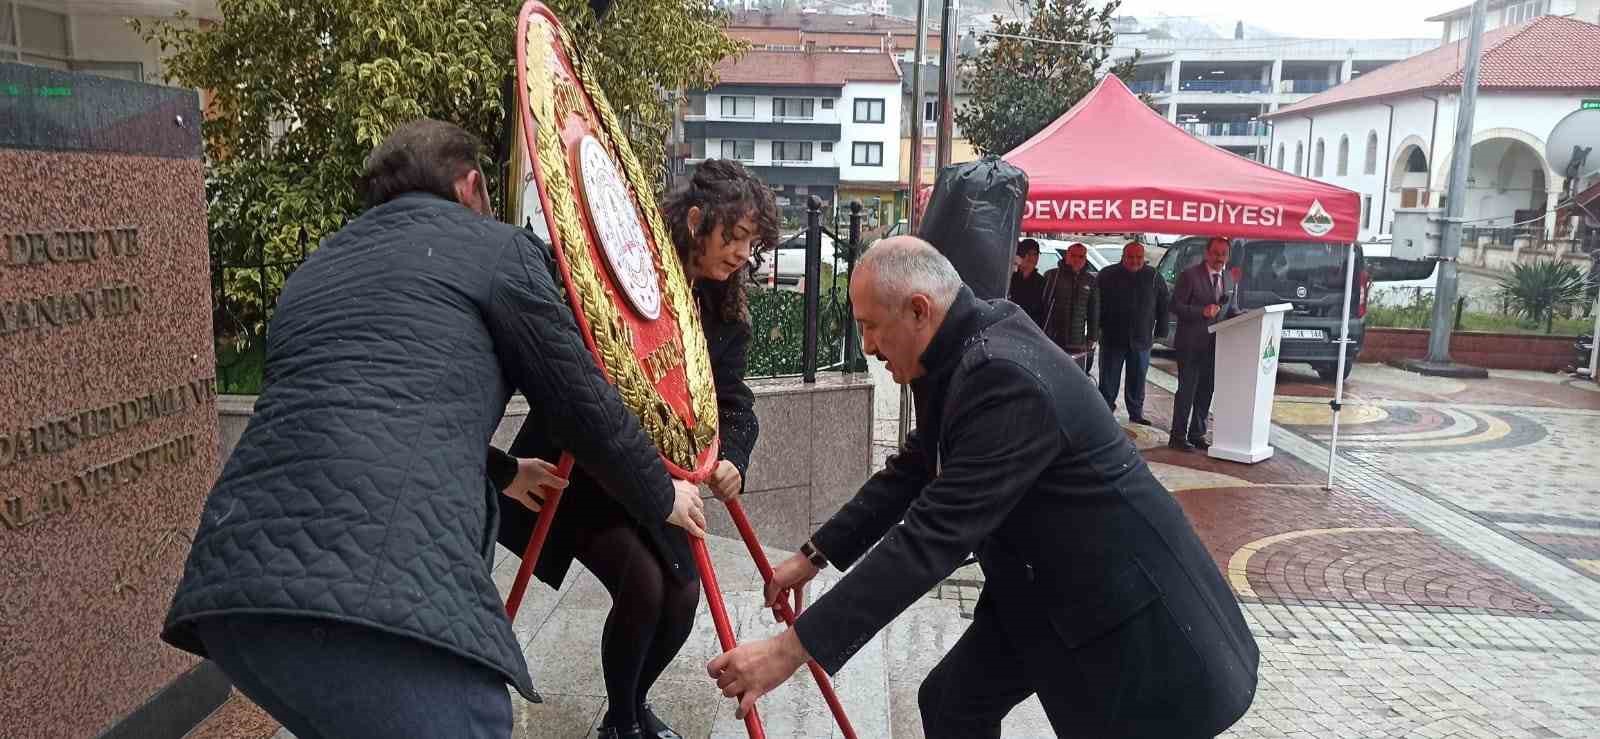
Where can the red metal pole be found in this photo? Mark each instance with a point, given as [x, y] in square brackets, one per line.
[541, 531]
[719, 617]
[824, 683]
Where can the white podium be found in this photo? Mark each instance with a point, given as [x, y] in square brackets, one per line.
[1247, 376]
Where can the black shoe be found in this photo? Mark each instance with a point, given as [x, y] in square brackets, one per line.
[1200, 444]
[1142, 421]
[1179, 444]
[653, 725]
[611, 732]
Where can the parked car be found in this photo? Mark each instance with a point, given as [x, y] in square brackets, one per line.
[1395, 281]
[789, 259]
[1310, 276]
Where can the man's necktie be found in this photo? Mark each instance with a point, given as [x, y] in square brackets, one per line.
[1216, 286]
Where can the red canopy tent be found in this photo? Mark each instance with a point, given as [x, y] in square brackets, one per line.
[1113, 165]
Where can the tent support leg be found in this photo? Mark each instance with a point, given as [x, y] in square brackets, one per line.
[1338, 376]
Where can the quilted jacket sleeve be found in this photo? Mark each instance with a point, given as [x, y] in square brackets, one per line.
[542, 353]
[736, 404]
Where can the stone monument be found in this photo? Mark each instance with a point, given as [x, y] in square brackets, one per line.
[108, 422]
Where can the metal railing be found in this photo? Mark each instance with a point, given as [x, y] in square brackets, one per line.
[1226, 128]
[800, 319]
[1148, 87]
[244, 294]
[1242, 86]
[1306, 86]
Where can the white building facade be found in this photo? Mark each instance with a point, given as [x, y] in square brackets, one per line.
[1457, 23]
[90, 36]
[1390, 138]
[824, 124]
[1219, 89]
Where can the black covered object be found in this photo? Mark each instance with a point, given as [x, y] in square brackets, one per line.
[974, 218]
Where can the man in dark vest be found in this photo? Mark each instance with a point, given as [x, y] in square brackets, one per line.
[1072, 305]
[1133, 309]
[1099, 597]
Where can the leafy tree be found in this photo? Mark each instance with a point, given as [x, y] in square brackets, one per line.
[1020, 85]
[1538, 291]
[298, 91]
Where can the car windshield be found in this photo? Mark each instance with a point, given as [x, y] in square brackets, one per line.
[1283, 267]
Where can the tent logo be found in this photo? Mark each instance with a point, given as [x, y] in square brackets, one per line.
[1317, 221]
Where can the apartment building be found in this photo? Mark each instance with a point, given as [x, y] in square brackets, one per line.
[806, 122]
[1219, 89]
[1457, 23]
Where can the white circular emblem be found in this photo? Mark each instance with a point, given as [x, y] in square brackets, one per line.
[621, 234]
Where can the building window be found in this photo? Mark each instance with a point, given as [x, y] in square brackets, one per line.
[738, 107]
[697, 149]
[827, 147]
[1321, 151]
[930, 111]
[742, 149]
[1370, 166]
[827, 103]
[930, 155]
[1280, 157]
[791, 151]
[867, 155]
[869, 110]
[792, 107]
[1344, 156]
[1366, 211]
[1299, 158]
[697, 105]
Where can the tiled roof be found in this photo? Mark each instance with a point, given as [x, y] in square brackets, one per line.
[806, 68]
[1547, 53]
[825, 22]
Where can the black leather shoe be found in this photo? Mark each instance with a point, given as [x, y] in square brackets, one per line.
[1180, 445]
[611, 732]
[1142, 421]
[1200, 444]
[654, 726]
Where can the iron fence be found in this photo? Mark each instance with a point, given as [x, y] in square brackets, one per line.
[800, 326]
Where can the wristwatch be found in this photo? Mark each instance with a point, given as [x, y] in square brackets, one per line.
[817, 559]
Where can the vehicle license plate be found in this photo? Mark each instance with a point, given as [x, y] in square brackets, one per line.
[1313, 334]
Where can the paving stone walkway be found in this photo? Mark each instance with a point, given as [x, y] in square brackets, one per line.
[1447, 586]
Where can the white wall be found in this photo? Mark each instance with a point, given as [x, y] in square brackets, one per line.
[763, 109]
[886, 133]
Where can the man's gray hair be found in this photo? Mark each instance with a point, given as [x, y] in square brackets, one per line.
[903, 266]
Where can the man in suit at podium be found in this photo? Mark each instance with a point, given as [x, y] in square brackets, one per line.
[1203, 297]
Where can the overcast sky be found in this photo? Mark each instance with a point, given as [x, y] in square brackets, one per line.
[1337, 19]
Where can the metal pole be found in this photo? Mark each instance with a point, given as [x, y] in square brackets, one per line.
[914, 222]
[1344, 344]
[1594, 349]
[808, 350]
[947, 81]
[914, 219]
[1460, 165]
[853, 360]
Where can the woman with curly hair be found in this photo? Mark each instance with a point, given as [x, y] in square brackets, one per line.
[716, 220]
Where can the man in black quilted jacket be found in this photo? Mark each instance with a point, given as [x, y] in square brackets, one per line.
[341, 571]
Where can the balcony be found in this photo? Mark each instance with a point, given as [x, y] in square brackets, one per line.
[781, 130]
[1306, 87]
[1226, 128]
[1148, 87]
[1234, 86]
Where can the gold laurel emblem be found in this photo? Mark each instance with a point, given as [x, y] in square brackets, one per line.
[549, 97]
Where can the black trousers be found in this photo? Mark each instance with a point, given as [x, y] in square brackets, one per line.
[322, 678]
[1197, 379]
[987, 673]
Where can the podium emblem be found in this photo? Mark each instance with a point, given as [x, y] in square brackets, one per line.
[1269, 357]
